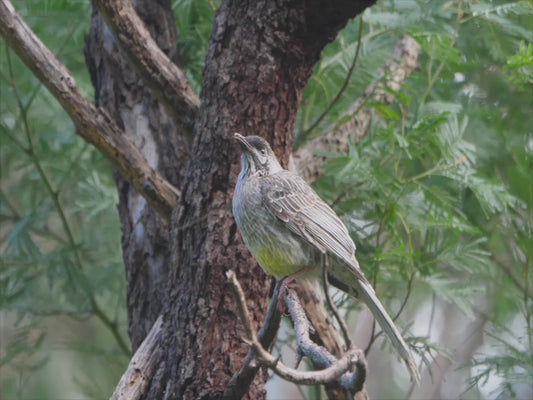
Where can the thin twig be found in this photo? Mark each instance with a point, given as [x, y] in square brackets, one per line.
[32, 153]
[355, 122]
[407, 295]
[347, 81]
[374, 336]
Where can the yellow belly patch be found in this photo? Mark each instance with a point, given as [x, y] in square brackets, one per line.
[275, 263]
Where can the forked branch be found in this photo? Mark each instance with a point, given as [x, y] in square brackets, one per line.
[350, 369]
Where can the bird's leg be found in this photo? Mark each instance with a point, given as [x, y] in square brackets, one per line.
[285, 283]
[332, 306]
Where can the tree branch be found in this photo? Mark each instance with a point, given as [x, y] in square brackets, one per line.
[346, 83]
[402, 63]
[353, 360]
[351, 381]
[325, 334]
[240, 382]
[168, 82]
[134, 382]
[93, 124]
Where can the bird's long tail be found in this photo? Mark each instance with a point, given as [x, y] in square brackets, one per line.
[365, 292]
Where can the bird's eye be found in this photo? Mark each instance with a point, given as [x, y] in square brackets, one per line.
[263, 151]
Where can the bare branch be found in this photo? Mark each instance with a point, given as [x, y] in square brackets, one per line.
[93, 124]
[169, 83]
[402, 63]
[325, 334]
[134, 382]
[352, 381]
[240, 382]
[335, 368]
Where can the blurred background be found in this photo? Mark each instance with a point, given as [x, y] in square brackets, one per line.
[438, 196]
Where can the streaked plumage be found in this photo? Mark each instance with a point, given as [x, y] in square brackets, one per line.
[287, 227]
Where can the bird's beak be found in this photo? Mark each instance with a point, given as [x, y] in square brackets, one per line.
[244, 143]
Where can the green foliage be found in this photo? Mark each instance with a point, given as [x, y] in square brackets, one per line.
[61, 270]
[519, 68]
[511, 364]
[332, 72]
[195, 21]
[438, 194]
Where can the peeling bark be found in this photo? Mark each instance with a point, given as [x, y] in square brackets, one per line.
[120, 89]
[148, 57]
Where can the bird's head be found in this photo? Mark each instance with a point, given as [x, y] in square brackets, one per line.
[257, 156]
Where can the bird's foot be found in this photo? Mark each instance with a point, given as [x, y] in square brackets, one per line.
[287, 283]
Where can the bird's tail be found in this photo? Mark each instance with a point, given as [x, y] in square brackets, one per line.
[365, 292]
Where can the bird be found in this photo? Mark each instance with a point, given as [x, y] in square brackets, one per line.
[288, 228]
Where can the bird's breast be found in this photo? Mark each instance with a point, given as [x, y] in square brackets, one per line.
[277, 250]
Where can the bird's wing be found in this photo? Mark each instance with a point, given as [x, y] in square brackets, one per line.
[294, 202]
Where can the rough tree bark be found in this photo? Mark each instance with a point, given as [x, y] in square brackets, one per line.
[122, 92]
[260, 58]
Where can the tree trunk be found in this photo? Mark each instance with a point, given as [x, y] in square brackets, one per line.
[120, 90]
[260, 58]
